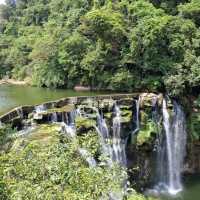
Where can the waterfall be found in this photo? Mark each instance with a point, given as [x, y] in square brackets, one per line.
[40, 109]
[174, 147]
[68, 124]
[169, 145]
[179, 144]
[113, 145]
[102, 130]
[78, 112]
[20, 112]
[118, 145]
[69, 128]
[137, 116]
[89, 159]
[25, 132]
[159, 144]
[54, 117]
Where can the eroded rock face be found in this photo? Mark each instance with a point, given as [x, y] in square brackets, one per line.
[192, 163]
[147, 99]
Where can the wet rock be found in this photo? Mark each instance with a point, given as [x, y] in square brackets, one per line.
[146, 99]
[17, 123]
[125, 102]
[83, 124]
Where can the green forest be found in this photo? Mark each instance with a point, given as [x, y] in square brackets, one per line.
[120, 45]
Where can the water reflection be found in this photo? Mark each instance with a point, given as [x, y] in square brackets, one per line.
[13, 96]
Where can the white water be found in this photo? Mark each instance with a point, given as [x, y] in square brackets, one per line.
[69, 128]
[40, 109]
[175, 133]
[118, 145]
[168, 133]
[20, 112]
[104, 135]
[87, 156]
[137, 117]
[112, 144]
[113, 147]
[54, 117]
[138, 114]
[25, 132]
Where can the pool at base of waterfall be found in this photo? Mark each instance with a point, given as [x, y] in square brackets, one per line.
[191, 190]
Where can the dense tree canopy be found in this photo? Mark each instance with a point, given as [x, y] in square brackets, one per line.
[105, 44]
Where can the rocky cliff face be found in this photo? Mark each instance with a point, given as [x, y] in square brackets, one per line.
[192, 164]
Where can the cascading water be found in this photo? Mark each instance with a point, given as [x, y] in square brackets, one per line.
[136, 119]
[159, 144]
[173, 149]
[68, 124]
[118, 145]
[169, 145]
[113, 147]
[137, 115]
[40, 109]
[20, 112]
[87, 156]
[103, 132]
[112, 144]
[69, 128]
[179, 145]
[54, 117]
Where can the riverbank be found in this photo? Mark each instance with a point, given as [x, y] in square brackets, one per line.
[12, 82]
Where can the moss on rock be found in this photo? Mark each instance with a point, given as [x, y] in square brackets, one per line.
[43, 134]
[126, 116]
[83, 124]
[195, 126]
[146, 134]
[67, 108]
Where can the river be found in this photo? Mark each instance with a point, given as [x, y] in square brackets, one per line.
[12, 96]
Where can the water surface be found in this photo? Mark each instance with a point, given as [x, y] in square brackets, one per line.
[191, 190]
[12, 96]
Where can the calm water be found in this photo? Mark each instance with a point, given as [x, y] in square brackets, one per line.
[191, 190]
[13, 96]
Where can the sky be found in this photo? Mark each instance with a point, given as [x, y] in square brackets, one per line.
[2, 1]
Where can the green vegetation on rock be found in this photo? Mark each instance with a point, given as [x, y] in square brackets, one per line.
[84, 123]
[147, 132]
[195, 125]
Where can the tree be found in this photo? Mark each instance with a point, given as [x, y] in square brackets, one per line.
[191, 11]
